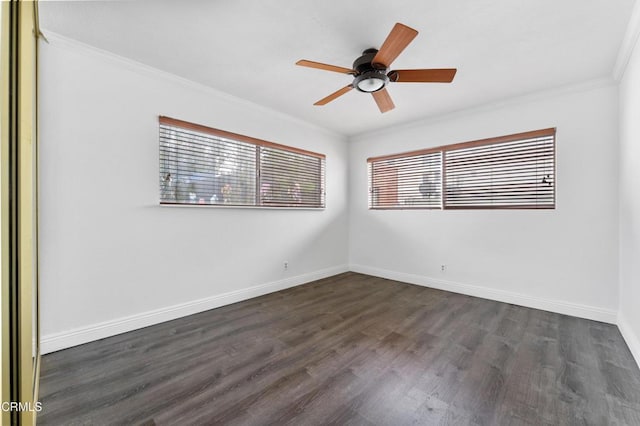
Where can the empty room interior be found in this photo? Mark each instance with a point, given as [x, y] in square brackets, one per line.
[322, 212]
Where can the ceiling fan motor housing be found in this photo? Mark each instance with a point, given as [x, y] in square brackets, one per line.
[369, 78]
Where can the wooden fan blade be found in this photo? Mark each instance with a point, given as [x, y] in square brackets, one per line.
[334, 95]
[444, 75]
[397, 40]
[383, 100]
[326, 67]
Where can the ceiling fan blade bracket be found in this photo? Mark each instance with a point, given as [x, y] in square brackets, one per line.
[381, 67]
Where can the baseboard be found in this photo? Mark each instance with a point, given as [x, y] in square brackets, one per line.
[66, 339]
[560, 307]
[632, 339]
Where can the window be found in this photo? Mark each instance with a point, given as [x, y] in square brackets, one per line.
[515, 171]
[205, 166]
[413, 181]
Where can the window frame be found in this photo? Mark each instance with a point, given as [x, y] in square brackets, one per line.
[258, 143]
[443, 149]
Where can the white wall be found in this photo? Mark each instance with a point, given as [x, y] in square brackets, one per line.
[111, 258]
[564, 260]
[629, 317]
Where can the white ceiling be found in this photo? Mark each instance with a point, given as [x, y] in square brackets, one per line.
[248, 48]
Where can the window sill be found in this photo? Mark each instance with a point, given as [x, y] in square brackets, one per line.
[222, 206]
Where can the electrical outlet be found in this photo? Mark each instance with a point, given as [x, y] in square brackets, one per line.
[443, 268]
[286, 266]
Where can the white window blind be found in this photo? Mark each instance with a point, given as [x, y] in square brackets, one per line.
[516, 174]
[201, 165]
[289, 178]
[514, 171]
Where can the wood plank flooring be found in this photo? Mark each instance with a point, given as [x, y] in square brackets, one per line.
[350, 349]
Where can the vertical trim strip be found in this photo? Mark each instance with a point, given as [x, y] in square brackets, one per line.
[19, 210]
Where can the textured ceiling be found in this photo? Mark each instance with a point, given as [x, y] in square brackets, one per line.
[248, 48]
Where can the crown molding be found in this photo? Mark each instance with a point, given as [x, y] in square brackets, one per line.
[539, 95]
[628, 43]
[58, 40]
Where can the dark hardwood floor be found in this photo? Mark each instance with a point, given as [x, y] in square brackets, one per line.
[350, 349]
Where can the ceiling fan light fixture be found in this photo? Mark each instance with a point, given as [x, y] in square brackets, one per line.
[370, 84]
[371, 81]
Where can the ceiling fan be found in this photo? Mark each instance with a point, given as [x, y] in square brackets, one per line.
[371, 70]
